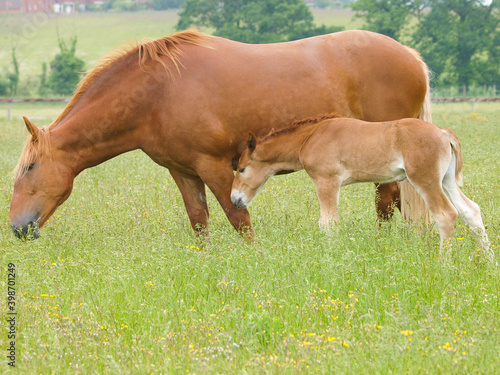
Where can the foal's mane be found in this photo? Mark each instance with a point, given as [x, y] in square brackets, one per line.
[299, 124]
[148, 50]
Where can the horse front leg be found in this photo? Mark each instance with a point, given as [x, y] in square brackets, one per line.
[193, 194]
[218, 176]
[387, 196]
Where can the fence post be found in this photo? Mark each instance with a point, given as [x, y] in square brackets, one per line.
[8, 110]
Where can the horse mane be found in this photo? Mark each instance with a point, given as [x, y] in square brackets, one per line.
[148, 50]
[299, 124]
[31, 150]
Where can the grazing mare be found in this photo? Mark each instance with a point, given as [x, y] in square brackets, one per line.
[188, 101]
[340, 151]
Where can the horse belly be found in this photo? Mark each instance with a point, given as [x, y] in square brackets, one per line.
[376, 168]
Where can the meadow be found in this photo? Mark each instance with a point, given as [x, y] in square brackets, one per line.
[118, 282]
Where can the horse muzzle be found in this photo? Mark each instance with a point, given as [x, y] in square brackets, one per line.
[239, 199]
[26, 231]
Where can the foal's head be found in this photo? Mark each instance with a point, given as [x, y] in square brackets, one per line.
[43, 182]
[252, 173]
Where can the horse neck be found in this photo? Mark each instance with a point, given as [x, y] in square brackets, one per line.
[89, 137]
[284, 149]
[109, 117]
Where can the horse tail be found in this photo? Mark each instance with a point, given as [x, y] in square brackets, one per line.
[456, 149]
[413, 207]
[425, 112]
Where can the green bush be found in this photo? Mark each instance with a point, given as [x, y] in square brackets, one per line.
[65, 69]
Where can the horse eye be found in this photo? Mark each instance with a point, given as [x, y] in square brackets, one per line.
[30, 167]
[241, 170]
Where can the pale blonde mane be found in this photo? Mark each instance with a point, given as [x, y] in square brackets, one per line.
[148, 50]
[32, 150]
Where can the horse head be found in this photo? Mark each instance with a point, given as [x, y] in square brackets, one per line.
[251, 174]
[43, 182]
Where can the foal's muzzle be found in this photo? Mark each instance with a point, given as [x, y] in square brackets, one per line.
[26, 231]
[239, 199]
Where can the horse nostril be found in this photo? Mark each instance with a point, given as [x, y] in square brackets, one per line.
[26, 231]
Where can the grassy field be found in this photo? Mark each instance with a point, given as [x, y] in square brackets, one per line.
[36, 36]
[119, 284]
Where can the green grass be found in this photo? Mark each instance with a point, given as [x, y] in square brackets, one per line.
[119, 284]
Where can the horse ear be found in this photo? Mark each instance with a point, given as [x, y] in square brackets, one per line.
[33, 130]
[252, 142]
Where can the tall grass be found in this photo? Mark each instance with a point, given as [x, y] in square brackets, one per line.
[118, 283]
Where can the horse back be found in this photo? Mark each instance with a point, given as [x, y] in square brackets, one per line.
[231, 88]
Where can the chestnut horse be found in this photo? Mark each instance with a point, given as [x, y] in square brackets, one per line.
[340, 151]
[188, 101]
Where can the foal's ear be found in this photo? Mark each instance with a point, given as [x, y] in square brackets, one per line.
[252, 142]
[33, 130]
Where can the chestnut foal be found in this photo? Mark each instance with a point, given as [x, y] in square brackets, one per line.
[339, 151]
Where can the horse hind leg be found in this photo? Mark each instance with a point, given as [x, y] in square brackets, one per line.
[469, 212]
[386, 198]
[442, 210]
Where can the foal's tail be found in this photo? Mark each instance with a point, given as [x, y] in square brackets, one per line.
[456, 148]
[413, 207]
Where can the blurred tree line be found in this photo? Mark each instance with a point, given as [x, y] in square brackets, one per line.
[253, 21]
[458, 39]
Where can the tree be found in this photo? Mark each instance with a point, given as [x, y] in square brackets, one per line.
[167, 4]
[9, 82]
[457, 37]
[252, 21]
[65, 69]
[13, 77]
[43, 87]
[386, 17]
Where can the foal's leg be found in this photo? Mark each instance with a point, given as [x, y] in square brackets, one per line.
[193, 193]
[469, 212]
[218, 175]
[328, 190]
[441, 208]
